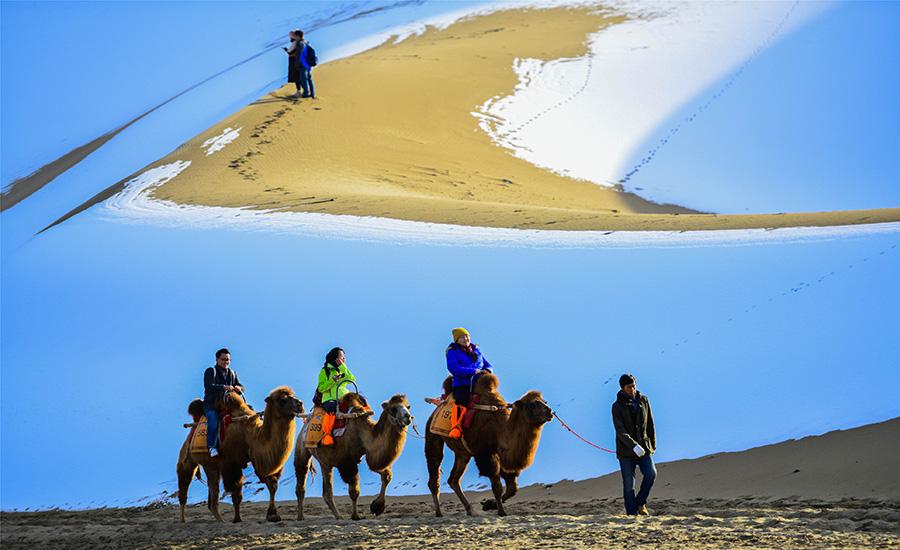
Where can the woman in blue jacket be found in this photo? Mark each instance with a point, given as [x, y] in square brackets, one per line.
[465, 362]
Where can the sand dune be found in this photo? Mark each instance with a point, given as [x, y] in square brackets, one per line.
[393, 136]
[841, 489]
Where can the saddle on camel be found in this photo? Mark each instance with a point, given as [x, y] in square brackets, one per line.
[451, 420]
[321, 427]
[198, 434]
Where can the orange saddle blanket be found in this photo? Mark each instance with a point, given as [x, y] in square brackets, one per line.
[199, 432]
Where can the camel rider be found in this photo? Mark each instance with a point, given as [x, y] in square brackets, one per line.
[465, 362]
[332, 388]
[216, 381]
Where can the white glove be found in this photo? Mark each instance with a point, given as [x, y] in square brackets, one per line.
[638, 450]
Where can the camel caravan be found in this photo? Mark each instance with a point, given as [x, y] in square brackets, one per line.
[471, 418]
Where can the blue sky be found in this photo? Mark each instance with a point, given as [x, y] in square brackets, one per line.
[107, 327]
[809, 125]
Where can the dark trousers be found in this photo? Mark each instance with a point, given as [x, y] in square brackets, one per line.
[330, 406]
[306, 83]
[212, 427]
[648, 471]
[461, 395]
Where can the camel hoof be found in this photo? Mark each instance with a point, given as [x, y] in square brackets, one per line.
[377, 507]
[488, 504]
[355, 517]
[438, 514]
[236, 520]
[501, 513]
[273, 517]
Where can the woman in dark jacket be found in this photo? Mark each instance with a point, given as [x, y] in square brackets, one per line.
[465, 362]
[293, 52]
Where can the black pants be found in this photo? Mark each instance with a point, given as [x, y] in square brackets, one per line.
[330, 406]
[461, 395]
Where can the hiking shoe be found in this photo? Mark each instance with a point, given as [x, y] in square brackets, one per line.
[213, 452]
[643, 511]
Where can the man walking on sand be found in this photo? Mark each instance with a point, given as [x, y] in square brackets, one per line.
[635, 443]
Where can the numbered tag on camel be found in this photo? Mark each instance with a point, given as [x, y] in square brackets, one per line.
[314, 433]
[442, 419]
[198, 442]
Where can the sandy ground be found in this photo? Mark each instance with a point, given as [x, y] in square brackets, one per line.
[851, 499]
[392, 135]
[784, 523]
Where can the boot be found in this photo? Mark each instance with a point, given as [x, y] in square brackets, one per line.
[455, 421]
[327, 425]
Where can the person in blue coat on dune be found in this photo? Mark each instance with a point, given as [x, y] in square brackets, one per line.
[465, 362]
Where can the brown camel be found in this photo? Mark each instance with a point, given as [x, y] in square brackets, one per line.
[381, 442]
[266, 443]
[502, 443]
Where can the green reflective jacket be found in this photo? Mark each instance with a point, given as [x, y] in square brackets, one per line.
[330, 389]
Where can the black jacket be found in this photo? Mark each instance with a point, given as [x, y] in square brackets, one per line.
[214, 382]
[633, 426]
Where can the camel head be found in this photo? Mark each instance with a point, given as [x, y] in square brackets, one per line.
[234, 404]
[533, 408]
[397, 409]
[283, 402]
[355, 403]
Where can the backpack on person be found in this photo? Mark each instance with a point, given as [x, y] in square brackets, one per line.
[311, 58]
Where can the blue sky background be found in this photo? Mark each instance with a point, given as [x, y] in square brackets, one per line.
[809, 125]
[107, 327]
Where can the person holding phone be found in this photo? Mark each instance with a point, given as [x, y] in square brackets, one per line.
[332, 387]
[293, 52]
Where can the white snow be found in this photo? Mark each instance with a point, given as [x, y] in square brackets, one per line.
[586, 117]
[134, 204]
[217, 143]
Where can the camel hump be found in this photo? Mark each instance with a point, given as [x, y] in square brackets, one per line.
[195, 409]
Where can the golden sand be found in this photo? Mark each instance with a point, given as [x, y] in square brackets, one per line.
[392, 135]
[818, 492]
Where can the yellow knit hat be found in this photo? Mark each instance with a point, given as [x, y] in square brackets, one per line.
[459, 331]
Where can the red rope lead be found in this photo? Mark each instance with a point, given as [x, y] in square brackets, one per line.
[566, 426]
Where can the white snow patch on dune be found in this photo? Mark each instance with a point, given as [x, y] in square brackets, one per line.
[134, 204]
[586, 117]
[217, 143]
[134, 196]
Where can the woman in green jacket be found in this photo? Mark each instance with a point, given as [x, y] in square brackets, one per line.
[332, 387]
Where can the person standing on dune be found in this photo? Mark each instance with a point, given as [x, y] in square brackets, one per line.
[293, 52]
[307, 60]
[635, 443]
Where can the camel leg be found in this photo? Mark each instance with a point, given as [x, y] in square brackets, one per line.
[328, 490]
[272, 512]
[378, 505]
[301, 469]
[511, 480]
[489, 466]
[459, 468]
[434, 455]
[350, 476]
[185, 476]
[512, 484]
[233, 481]
[212, 479]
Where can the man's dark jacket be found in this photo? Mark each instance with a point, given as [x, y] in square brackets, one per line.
[634, 425]
[214, 382]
